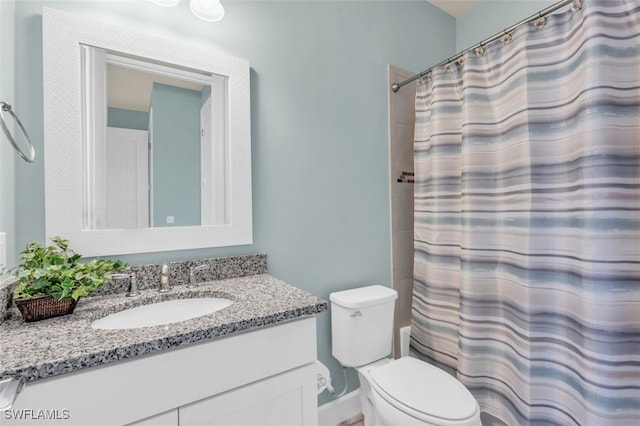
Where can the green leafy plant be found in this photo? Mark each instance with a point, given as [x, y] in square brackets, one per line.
[56, 270]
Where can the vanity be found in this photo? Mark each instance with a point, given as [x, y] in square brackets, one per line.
[250, 363]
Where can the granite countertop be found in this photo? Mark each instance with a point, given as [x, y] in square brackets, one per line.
[63, 344]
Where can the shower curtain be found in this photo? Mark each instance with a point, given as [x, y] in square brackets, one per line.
[527, 219]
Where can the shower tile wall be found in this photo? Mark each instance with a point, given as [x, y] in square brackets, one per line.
[401, 122]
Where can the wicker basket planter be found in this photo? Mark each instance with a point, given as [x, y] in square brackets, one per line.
[43, 307]
[55, 269]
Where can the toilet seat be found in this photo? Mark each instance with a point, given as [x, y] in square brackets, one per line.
[423, 391]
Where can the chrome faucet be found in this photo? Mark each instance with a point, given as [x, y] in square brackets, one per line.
[164, 279]
[192, 274]
[133, 286]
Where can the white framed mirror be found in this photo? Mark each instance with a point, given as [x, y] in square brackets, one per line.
[147, 140]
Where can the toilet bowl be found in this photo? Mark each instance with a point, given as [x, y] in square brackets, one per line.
[410, 392]
[399, 392]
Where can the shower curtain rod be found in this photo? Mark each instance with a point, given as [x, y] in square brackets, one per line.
[396, 86]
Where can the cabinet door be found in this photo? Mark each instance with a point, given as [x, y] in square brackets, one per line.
[169, 418]
[288, 399]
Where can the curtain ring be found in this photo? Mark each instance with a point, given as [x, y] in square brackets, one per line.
[576, 6]
[480, 50]
[506, 38]
[6, 107]
[540, 22]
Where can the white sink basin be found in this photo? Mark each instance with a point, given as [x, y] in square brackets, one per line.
[161, 313]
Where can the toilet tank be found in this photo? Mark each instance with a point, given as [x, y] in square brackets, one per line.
[362, 324]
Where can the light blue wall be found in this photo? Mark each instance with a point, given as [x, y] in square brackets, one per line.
[490, 17]
[320, 170]
[127, 119]
[8, 156]
[176, 155]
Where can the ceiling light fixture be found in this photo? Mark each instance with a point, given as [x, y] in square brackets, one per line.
[207, 10]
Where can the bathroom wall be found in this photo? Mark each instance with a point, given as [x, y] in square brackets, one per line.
[320, 163]
[7, 154]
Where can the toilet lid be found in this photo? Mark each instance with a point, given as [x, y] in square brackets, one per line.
[423, 388]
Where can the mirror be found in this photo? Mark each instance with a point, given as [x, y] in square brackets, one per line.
[147, 140]
[157, 152]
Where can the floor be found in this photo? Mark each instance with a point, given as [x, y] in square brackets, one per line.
[357, 420]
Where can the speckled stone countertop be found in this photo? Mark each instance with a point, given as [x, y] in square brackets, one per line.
[68, 343]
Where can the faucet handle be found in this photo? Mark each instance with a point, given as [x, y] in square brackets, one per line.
[200, 267]
[192, 274]
[119, 276]
[133, 284]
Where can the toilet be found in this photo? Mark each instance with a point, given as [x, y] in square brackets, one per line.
[402, 392]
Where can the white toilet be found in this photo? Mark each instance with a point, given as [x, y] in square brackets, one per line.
[399, 392]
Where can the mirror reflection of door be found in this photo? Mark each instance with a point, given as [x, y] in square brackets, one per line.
[127, 178]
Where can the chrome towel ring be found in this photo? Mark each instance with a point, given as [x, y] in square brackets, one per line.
[6, 107]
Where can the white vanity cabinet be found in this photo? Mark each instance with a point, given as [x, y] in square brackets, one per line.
[260, 377]
[275, 401]
[270, 402]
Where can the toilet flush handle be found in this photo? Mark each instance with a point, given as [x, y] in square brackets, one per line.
[356, 314]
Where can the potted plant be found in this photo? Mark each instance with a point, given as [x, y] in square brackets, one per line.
[52, 279]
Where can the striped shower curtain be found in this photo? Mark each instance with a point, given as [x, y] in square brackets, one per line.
[527, 219]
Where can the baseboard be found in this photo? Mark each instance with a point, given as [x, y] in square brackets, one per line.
[334, 412]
